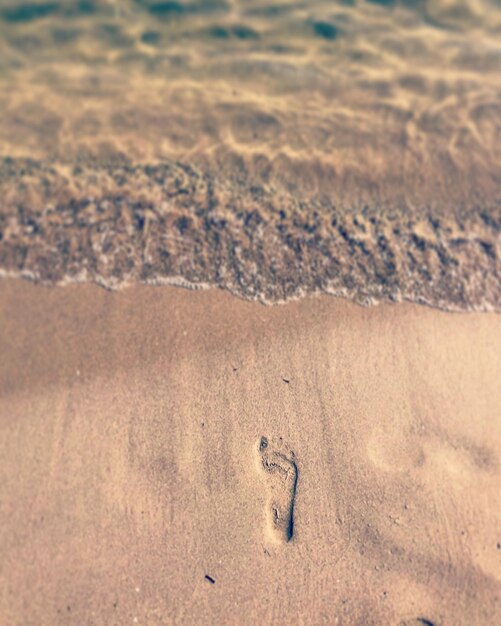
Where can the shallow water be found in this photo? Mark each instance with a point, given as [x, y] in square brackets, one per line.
[273, 149]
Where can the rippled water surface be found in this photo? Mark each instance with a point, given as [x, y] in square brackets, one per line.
[271, 148]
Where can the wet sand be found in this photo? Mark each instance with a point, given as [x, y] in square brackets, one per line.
[180, 457]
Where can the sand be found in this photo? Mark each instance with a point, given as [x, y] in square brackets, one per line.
[170, 456]
[178, 457]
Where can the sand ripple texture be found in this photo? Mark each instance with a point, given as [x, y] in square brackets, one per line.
[270, 148]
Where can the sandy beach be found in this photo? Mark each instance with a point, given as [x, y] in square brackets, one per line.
[250, 312]
[186, 457]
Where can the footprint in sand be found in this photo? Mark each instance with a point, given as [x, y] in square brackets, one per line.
[282, 474]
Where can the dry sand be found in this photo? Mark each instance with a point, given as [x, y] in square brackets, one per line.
[136, 486]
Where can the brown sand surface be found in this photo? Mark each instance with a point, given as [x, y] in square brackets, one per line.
[136, 486]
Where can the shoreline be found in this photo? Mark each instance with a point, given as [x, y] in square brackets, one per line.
[179, 282]
[169, 222]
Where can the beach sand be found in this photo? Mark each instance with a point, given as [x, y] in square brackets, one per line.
[259, 452]
[186, 457]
